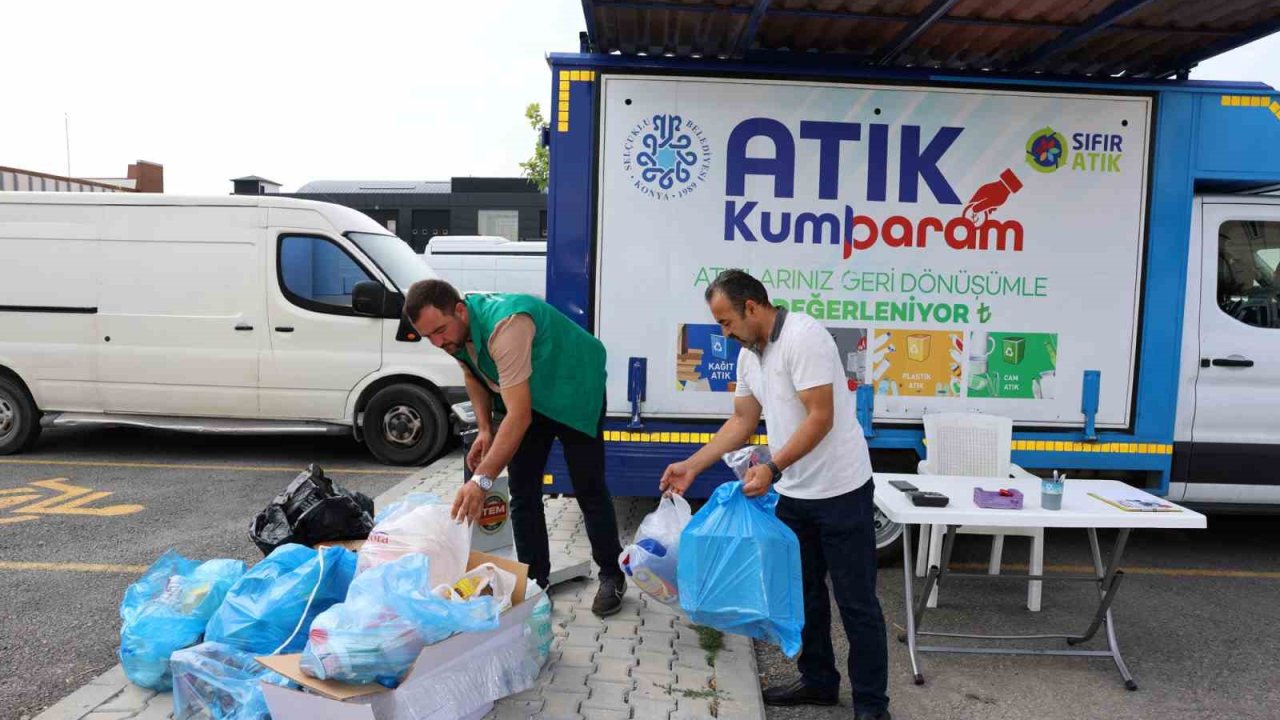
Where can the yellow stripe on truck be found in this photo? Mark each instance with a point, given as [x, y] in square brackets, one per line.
[1125, 448]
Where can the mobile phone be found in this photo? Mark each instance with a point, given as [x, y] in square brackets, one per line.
[903, 485]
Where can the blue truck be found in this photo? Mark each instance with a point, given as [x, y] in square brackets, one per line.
[1097, 258]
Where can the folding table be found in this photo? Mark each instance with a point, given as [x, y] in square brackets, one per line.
[1079, 510]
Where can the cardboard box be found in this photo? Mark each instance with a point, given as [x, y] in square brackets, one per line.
[430, 688]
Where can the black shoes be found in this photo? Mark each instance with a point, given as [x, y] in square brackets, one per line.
[797, 693]
[609, 597]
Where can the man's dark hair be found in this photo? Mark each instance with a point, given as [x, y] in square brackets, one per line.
[738, 287]
[435, 293]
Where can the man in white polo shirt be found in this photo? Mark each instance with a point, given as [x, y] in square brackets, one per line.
[790, 370]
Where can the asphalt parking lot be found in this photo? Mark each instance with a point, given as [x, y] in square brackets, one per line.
[1196, 619]
[68, 551]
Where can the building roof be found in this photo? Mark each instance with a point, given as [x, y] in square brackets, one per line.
[255, 178]
[1133, 38]
[109, 184]
[375, 187]
[127, 183]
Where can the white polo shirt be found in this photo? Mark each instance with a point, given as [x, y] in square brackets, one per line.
[802, 355]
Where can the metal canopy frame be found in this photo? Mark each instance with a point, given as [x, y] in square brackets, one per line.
[1114, 41]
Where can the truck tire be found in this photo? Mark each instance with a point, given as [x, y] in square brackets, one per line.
[888, 540]
[19, 418]
[405, 425]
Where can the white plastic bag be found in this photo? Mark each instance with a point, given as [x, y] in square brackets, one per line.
[650, 561]
[424, 528]
[486, 580]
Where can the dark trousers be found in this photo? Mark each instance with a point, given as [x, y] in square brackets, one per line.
[837, 537]
[585, 457]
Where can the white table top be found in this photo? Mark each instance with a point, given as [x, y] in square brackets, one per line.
[1078, 509]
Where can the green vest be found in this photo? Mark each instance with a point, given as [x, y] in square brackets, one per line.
[567, 384]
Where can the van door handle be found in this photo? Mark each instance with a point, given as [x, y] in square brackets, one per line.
[1232, 362]
[283, 328]
[244, 327]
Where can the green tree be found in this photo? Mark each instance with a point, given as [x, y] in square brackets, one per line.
[536, 168]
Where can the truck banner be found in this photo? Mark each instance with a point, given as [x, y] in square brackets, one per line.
[966, 248]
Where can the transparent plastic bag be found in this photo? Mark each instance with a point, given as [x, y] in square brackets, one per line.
[739, 569]
[390, 614]
[167, 609]
[651, 560]
[272, 607]
[419, 524]
[499, 664]
[745, 458]
[213, 681]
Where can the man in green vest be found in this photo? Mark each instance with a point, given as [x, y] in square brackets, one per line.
[523, 356]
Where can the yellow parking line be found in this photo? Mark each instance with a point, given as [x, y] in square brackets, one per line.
[179, 466]
[1165, 572]
[72, 567]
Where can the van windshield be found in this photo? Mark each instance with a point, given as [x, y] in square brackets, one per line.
[393, 257]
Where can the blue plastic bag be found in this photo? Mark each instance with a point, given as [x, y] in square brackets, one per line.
[213, 681]
[273, 605]
[389, 616]
[166, 610]
[739, 569]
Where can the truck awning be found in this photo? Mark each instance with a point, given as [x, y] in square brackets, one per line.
[1130, 38]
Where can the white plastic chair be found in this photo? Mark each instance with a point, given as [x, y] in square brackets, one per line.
[971, 444]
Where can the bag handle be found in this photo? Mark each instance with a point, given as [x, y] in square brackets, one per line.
[303, 618]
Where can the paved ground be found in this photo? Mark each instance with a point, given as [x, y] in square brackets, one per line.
[645, 662]
[1196, 620]
[1196, 616]
[64, 570]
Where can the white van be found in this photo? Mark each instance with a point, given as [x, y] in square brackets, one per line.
[484, 263]
[229, 315]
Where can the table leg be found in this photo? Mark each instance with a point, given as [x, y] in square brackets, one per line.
[908, 581]
[936, 573]
[1109, 580]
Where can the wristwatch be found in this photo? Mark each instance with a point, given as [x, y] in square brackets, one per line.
[484, 481]
[773, 468]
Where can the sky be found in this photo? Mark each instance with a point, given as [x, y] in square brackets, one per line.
[300, 91]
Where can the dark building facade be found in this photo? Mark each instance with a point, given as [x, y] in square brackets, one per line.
[419, 211]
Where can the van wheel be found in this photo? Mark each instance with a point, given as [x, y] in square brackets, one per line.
[19, 419]
[888, 539]
[405, 425]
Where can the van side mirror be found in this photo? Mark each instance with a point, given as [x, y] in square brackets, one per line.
[369, 298]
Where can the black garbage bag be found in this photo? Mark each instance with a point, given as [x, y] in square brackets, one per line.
[313, 509]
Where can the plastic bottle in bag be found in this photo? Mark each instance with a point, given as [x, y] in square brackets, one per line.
[167, 609]
[651, 560]
[389, 616]
[213, 681]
